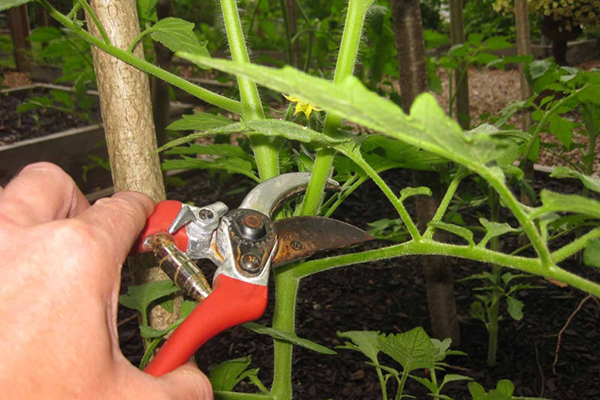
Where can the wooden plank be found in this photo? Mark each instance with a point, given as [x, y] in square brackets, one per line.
[69, 149]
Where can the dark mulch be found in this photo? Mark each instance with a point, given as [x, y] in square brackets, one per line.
[15, 127]
[389, 296]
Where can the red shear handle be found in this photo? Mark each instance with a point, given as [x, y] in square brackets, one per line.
[160, 221]
[233, 302]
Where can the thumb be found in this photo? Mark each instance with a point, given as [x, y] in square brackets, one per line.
[187, 383]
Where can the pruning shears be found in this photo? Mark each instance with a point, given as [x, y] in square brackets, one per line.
[244, 244]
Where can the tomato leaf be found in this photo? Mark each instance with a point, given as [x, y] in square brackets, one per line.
[226, 375]
[288, 337]
[6, 4]
[556, 202]
[418, 191]
[515, 308]
[590, 182]
[178, 35]
[44, 34]
[366, 342]
[457, 230]
[199, 122]
[591, 254]
[141, 296]
[494, 229]
[413, 349]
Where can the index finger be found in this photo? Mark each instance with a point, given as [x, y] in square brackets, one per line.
[117, 221]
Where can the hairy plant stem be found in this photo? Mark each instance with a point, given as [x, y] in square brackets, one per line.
[241, 396]
[493, 311]
[357, 9]
[195, 90]
[492, 328]
[355, 156]
[94, 18]
[284, 319]
[73, 13]
[463, 74]
[137, 39]
[542, 124]
[450, 91]
[286, 285]
[401, 384]
[84, 55]
[528, 225]
[439, 214]
[265, 151]
[355, 183]
[288, 36]
[575, 246]
[431, 247]
[382, 383]
[593, 135]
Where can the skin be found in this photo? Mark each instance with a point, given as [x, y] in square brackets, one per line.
[60, 269]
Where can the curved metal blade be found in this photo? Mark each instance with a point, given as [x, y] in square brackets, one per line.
[301, 237]
[270, 194]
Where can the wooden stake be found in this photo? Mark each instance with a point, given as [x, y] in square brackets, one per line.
[127, 114]
[19, 31]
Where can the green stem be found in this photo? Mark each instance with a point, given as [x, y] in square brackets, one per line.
[575, 246]
[542, 124]
[461, 79]
[382, 384]
[137, 39]
[528, 226]
[424, 247]
[84, 54]
[431, 247]
[66, 110]
[401, 384]
[265, 151]
[302, 11]
[493, 311]
[196, 91]
[439, 214]
[284, 320]
[311, 37]
[94, 17]
[355, 156]
[450, 94]
[344, 68]
[288, 36]
[241, 396]
[593, 135]
[73, 13]
[320, 173]
[149, 351]
[344, 195]
[253, 18]
[493, 326]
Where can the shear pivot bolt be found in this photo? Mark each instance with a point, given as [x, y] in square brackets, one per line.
[250, 263]
[252, 227]
[206, 215]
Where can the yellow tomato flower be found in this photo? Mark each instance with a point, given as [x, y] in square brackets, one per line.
[302, 106]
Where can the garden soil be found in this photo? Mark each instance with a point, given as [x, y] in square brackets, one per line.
[389, 296]
[15, 127]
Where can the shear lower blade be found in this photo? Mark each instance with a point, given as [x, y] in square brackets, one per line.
[301, 237]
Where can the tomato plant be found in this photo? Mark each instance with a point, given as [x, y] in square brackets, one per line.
[318, 141]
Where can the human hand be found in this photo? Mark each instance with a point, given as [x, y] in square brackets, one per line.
[60, 269]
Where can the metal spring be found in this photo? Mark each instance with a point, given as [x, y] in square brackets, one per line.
[179, 267]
